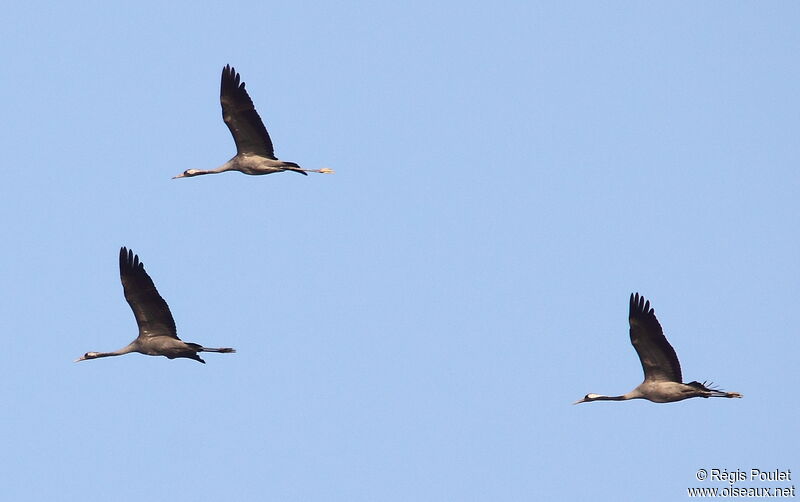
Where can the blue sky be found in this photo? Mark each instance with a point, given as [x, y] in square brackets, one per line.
[416, 326]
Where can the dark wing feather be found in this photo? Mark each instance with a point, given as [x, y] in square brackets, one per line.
[241, 117]
[659, 361]
[151, 311]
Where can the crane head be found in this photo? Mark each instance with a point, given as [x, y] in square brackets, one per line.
[588, 398]
[188, 173]
[88, 355]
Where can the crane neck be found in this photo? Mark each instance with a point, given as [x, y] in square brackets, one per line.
[131, 347]
[612, 398]
[228, 166]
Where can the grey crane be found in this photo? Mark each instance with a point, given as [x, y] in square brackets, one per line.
[254, 151]
[663, 382]
[157, 334]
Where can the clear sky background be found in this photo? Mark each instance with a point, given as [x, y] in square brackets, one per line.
[416, 326]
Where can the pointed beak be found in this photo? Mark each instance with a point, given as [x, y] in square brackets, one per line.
[580, 401]
[82, 358]
[179, 176]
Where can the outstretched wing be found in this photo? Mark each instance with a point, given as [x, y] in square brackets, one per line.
[659, 361]
[241, 117]
[151, 311]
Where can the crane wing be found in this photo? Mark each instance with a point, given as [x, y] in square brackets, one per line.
[659, 361]
[151, 311]
[241, 117]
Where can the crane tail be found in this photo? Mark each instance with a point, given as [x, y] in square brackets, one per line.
[224, 350]
[324, 170]
[712, 392]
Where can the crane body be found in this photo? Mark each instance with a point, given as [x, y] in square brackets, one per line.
[157, 333]
[255, 154]
[663, 381]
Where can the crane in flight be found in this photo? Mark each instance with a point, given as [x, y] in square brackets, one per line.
[254, 151]
[157, 333]
[663, 382]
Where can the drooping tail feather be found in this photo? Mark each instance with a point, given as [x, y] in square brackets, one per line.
[304, 172]
[223, 350]
[712, 392]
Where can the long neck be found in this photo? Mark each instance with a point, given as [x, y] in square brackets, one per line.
[228, 166]
[612, 398]
[124, 350]
[634, 394]
[221, 169]
[224, 167]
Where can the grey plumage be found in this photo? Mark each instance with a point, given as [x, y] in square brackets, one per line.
[254, 151]
[663, 382]
[157, 333]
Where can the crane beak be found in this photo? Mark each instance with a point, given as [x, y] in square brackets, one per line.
[82, 358]
[580, 401]
[179, 176]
